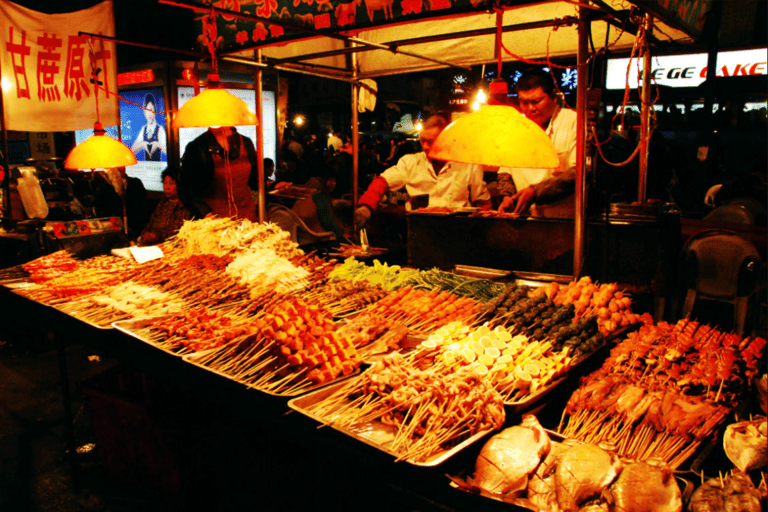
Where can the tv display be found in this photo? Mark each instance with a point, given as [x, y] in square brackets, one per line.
[143, 130]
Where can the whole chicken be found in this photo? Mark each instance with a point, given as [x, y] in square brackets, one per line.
[735, 494]
[541, 486]
[746, 444]
[506, 460]
[645, 487]
[584, 471]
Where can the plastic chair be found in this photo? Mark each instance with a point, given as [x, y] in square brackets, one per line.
[722, 267]
[289, 221]
[735, 213]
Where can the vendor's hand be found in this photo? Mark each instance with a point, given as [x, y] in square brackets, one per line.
[523, 200]
[282, 184]
[361, 217]
[148, 238]
[709, 197]
[506, 203]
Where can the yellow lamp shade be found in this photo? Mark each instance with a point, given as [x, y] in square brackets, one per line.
[495, 135]
[99, 152]
[214, 107]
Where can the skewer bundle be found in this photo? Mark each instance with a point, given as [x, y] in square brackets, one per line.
[664, 390]
[294, 346]
[341, 297]
[429, 410]
[51, 266]
[423, 312]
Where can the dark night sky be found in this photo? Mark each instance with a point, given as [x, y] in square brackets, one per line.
[141, 21]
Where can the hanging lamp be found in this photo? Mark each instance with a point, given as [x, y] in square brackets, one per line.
[99, 152]
[496, 134]
[213, 106]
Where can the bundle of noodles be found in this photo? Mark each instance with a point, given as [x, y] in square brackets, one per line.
[429, 410]
[265, 271]
[663, 391]
[226, 236]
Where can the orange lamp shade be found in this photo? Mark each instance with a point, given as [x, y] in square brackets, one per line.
[495, 135]
[99, 152]
[214, 107]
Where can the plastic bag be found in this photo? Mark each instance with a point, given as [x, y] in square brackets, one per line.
[32, 197]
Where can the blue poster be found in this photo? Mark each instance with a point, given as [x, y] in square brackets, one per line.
[143, 124]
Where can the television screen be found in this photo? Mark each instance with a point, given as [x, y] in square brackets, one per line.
[143, 130]
[269, 125]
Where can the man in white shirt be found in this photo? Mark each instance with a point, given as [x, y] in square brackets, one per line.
[547, 192]
[450, 184]
[334, 142]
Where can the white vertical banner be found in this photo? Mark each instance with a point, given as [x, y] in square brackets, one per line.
[47, 68]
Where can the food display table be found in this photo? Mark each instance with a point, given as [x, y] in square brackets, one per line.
[293, 345]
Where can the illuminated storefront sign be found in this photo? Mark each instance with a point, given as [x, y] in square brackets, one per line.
[686, 70]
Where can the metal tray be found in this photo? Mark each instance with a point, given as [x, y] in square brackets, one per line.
[481, 272]
[139, 328]
[75, 310]
[411, 342]
[19, 284]
[190, 358]
[374, 433]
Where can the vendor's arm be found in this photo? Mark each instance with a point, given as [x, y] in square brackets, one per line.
[479, 195]
[195, 176]
[393, 178]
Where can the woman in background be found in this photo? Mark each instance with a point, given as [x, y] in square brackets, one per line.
[169, 214]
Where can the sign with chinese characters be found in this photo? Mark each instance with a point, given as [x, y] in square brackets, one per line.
[230, 32]
[47, 68]
[686, 70]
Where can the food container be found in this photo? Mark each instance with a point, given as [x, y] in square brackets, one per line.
[375, 433]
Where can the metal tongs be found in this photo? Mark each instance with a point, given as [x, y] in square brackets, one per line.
[364, 240]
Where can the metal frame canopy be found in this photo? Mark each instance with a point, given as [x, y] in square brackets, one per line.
[338, 39]
[400, 36]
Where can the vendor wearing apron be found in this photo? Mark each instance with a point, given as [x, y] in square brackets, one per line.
[218, 170]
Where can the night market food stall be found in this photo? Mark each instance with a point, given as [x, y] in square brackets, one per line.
[423, 364]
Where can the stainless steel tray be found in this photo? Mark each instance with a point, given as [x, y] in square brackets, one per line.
[374, 433]
[139, 328]
[192, 359]
[78, 310]
[481, 272]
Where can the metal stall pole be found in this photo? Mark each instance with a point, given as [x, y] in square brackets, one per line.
[260, 139]
[645, 114]
[355, 131]
[579, 227]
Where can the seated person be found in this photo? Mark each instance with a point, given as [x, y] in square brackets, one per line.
[317, 211]
[169, 214]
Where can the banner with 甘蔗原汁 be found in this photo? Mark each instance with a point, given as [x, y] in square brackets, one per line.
[47, 68]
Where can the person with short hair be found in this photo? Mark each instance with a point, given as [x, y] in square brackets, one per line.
[550, 191]
[434, 182]
[169, 214]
